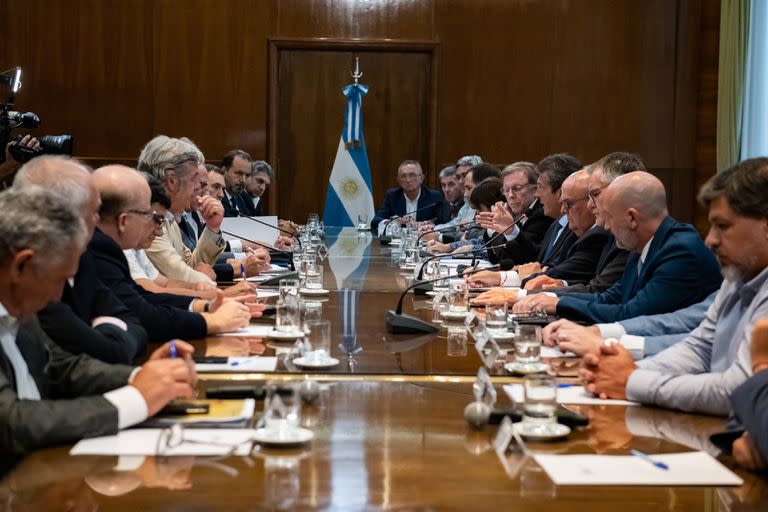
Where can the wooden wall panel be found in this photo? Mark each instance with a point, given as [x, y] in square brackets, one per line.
[518, 78]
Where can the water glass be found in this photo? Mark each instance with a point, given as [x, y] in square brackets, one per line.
[362, 221]
[496, 318]
[310, 311]
[314, 279]
[306, 264]
[287, 314]
[439, 306]
[459, 295]
[457, 342]
[288, 287]
[319, 340]
[441, 285]
[540, 406]
[528, 344]
[282, 406]
[412, 257]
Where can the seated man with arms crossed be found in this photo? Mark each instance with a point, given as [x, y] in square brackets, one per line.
[700, 373]
[49, 396]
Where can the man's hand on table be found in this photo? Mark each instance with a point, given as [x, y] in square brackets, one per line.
[571, 337]
[606, 375]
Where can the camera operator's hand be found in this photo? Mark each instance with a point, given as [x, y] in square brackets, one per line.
[212, 211]
[10, 164]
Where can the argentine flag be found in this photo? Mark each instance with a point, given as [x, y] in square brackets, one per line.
[349, 188]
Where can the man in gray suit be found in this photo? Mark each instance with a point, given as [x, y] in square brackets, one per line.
[47, 395]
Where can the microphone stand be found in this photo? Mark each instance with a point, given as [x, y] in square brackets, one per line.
[384, 239]
[278, 228]
[398, 323]
[497, 235]
[274, 281]
[422, 289]
[449, 228]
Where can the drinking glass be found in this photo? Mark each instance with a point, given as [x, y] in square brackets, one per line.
[528, 344]
[282, 406]
[288, 287]
[287, 314]
[310, 311]
[459, 295]
[540, 406]
[362, 221]
[314, 279]
[496, 318]
[457, 342]
[319, 340]
[412, 257]
[442, 285]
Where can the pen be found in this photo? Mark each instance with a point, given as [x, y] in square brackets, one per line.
[647, 458]
[242, 271]
[172, 348]
[565, 385]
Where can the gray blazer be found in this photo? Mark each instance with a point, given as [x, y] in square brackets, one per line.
[72, 406]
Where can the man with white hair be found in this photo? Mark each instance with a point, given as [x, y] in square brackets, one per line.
[175, 162]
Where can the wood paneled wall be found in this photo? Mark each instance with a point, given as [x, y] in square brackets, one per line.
[519, 79]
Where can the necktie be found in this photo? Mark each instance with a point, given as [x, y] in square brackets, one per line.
[551, 244]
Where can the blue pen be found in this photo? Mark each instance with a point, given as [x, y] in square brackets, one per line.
[172, 348]
[648, 459]
[242, 271]
[565, 385]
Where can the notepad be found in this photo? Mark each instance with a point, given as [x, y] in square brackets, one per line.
[566, 395]
[221, 413]
[240, 364]
[691, 468]
[144, 441]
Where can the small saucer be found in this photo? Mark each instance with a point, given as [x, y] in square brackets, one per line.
[285, 335]
[556, 432]
[455, 315]
[526, 368]
[307, 362]
[503, 336]
[284, 437]
[313, 291]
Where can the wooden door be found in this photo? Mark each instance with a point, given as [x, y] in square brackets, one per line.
[307, 117]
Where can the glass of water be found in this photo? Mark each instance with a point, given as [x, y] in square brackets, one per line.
[459, 295]
[314, 279]
[539, 411]
[457, 342]
[496, 318]
[441, 285]
[319, 339]
[528, 344]
[362, 221]
[282, 407]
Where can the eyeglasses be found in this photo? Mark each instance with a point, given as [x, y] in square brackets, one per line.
[175, 436]
[409, 176]
[149, 215]
[569, 203]
[516, 189]
[594, 194]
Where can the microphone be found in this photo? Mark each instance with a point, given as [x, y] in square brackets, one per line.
[275, 280]
[398, 323]
[497, 235]
[449, 228]
[384, 239]
[437, 256]
[254, 219]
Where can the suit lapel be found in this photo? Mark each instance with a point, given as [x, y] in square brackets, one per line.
[400, 204]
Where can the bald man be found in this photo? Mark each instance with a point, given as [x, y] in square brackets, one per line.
[89, 319]
[669, 267]
[126, 221]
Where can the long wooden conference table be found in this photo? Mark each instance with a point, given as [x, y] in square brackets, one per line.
[389, 430]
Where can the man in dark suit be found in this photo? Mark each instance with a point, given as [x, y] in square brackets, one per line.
[47, 395]
[256, 184]
[89, 319]
[126, 222]
[237, 167]
[669, 268]
[411, 196]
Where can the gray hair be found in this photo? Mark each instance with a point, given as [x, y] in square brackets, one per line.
[469, 160]
[262, 166]
[50, 231]
[53, 173]
[449, 171]
[616, 164]
[530, 169]
[744, 186]
[167, 153]
[415, 163]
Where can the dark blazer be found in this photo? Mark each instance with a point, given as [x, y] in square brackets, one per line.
[749, 405]
[245, 203]
[678, 271]
[526, 246]
[237, 206]
[579, 261]
[71, 405]
[394, 204]
[68, 322]
[610, 268]
[444, 212]
[164, 316]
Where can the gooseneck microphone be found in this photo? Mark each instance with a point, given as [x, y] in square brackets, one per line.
[438, 256]
[278, 228]
[265, 246]
[497, 235]
[384, 238]
[398, 323]
[449, 228]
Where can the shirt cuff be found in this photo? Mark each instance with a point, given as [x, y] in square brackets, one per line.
[550, 294]
[634, 344]
[239, 256]
[510, 278]
[613, 330]
[641, 385]
[131, 407]
[513, 234]
[236, 245]
[133, 374]
[522, 292]
[101, 320]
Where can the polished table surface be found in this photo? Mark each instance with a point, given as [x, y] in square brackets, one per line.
[389, 434]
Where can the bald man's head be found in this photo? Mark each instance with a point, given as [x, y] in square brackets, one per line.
[573, 197]
[66, 177]
[126, 214]
[634, 205]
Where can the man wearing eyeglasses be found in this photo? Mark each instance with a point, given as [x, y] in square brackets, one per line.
[89, 318]
[410, 201]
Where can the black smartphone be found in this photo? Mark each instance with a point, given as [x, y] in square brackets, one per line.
[183, 408]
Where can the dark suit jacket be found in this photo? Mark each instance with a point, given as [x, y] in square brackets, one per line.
[526, 246]
[394, 204]
[237, 206]
[749, 404]
[164, 316]
[68, 322]
[245, 203]
[71, 405]
[579, 261]
[678, 271]
[444, 212]
[609, 269]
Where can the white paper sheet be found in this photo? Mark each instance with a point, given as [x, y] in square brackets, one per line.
[240, 364]
[554, 352]
[565, 395]
[244, 228]
[251, 330]
[143, 441]
[259, 278]
[266, 294]
[276, 269]
[692, 468]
